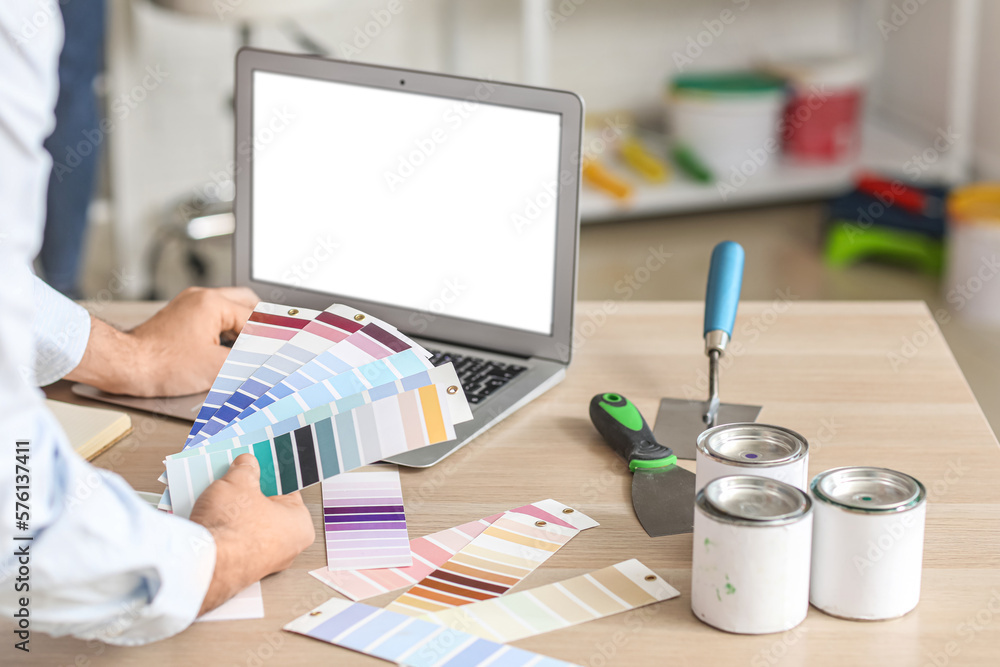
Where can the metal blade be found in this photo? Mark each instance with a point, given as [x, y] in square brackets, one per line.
[680, 422]
[663, 499]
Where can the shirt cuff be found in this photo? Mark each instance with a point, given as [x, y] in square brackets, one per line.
[61, 330]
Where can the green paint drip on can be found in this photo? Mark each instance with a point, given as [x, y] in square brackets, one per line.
[707, 543]
[730, 589]
[717, 595]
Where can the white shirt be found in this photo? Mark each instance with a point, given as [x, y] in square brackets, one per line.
[102, 563]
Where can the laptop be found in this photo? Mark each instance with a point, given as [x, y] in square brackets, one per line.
[445, 206]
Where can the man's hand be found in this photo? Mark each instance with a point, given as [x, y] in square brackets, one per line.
[175, 352]
[254, 535]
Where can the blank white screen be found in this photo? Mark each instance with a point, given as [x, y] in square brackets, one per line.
[427, 203]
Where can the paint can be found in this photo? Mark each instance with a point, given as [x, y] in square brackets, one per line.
[750, 563]
[868, 542]
[752, 449]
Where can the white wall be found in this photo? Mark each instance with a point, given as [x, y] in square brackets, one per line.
[616, 53]
[987, 125]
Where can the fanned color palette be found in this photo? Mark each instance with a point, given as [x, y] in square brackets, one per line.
[510, 549]
[432, 551]
[612, 590]
[295, 460]
[364, 521]
[269, 326]
[408, 641]
[319, 402]
[328, 327]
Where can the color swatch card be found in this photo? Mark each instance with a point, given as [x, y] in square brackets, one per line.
[612, 590]
[506, 552]
[326, 328]
[345, 334]
[432, 551]
[408, 641]
[247, 604]
[364, 520]
[337, 360]
[291, 461]
[269, 326]
[339, 393]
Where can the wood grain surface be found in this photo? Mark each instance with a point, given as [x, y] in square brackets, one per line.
[867, 383]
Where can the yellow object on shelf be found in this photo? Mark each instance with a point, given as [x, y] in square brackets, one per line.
[596, 175]
[645, 163]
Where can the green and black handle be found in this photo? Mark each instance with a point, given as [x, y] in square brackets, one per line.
[621, 425]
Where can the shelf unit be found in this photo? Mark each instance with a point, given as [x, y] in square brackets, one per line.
[884, 151]
[885, 147]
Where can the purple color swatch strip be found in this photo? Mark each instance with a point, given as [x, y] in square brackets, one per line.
[365, 522]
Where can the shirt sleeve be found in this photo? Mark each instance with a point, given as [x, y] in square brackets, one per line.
[60, 330]
[90, 558]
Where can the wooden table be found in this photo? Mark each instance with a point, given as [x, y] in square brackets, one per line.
[868, 383]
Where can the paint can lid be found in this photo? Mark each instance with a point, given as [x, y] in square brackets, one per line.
[863, 489]
[752, 444]
[754, 501]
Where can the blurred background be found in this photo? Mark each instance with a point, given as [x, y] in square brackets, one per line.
[851, 146]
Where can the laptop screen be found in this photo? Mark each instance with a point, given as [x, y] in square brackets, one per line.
[438, 205]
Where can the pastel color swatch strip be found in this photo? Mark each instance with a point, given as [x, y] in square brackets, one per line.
[510, 549]
[408, 641]
[316, 336]
[612, 590]
[432, 551]
[267, 330]
[337, 360]
[340, 393]
[295, 460]
[364, 520]
[295, 418]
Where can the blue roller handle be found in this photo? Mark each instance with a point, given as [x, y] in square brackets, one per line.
[725, 278]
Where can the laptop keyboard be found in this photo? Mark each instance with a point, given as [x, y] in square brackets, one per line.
[479, 377]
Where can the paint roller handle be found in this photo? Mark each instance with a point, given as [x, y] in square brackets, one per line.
[621, 425]
[722, 296]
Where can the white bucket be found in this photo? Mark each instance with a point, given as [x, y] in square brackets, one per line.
[868, 543]
[729, 130]
[750, 563]
[752, 449]
[972, 284]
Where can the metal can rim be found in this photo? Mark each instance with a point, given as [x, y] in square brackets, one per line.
[800, 452]
[803, 505]
[918, 497]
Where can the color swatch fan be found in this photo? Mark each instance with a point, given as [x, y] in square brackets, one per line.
[312, 394]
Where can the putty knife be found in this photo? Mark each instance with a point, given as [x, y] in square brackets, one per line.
[662, 492]
[679, 422]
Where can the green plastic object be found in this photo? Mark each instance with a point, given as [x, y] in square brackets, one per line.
[691, 164]
[849, 242]
[625, 414]
[621, 425]
[727, 83]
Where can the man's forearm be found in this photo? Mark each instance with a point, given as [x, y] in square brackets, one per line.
[111, 362]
